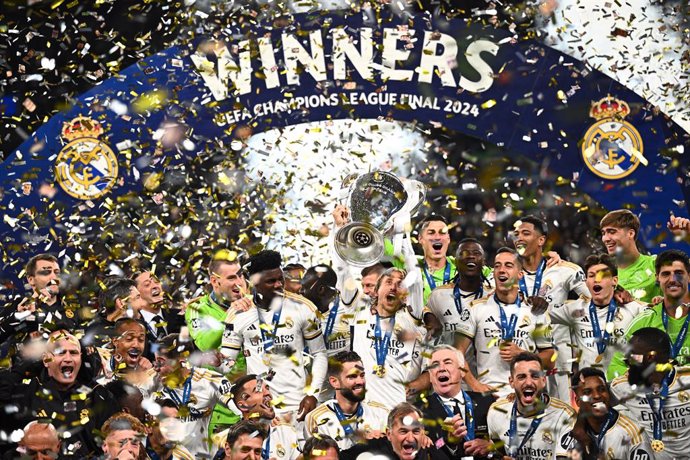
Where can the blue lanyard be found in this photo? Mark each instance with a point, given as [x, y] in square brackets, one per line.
[330, 322]
[469, 414]
[507, 327]
[266, 449]
[266, 339]
[513, 449]
[601, 340]
[457, 295]
[186, 391]
[680, 338]
[347, 426]
[537, 280]
[382, 340]
[430, 279]
[599, 438]
[657, 412]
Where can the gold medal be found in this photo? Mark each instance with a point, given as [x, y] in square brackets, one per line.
[380, 371]
[658, 445]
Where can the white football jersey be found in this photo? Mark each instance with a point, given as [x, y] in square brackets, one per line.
[552, 437]
[557, 282]
[575, 315]
[323, 420]
[675, 423]
[298, 326]
[483, 326]
[624, 440]
[207, 389]
[282, 442]
[403, 360]
[443, 305]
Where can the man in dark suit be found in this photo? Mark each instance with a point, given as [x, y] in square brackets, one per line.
[455, 419]
[404, 440]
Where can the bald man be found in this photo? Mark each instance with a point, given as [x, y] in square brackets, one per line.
[40, 442]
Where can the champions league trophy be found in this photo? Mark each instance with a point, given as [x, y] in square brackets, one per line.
[379, 202]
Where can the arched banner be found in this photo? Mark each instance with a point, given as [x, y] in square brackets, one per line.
[519, 95]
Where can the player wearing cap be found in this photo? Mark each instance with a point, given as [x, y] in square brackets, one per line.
[531, 425]
[274, 336]
[502, 326]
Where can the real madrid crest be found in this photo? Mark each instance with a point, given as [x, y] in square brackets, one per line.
[86, 168]
[612, 148]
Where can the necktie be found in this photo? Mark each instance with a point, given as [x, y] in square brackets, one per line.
[457, 409]
[160, 330]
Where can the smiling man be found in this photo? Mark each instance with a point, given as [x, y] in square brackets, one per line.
[347, 418]
[159, 318]
[600, 429]
[531, 425]
[126, 358]
[455, 419]
[671, 315]
[501, 327]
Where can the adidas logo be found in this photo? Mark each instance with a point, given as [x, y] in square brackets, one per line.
[252, 327]
[447, 313]
[490, 319]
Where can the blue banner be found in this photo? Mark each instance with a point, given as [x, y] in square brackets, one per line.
[519, 95]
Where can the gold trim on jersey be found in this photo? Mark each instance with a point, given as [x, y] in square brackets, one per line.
[630, 428]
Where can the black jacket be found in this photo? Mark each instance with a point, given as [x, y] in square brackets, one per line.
[37, 397]
[379, 446]
[434, 414]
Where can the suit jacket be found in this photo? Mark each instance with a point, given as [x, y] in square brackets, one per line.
[174, 320]
[434, 414]
[380, 446]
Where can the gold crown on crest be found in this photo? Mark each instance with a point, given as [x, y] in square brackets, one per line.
[81, 127]
[609, 107]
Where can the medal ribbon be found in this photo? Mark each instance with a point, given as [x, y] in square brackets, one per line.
[457, 295]
[602, 340]
[268, 340]
[537, 280]
[347, 427]
[186, 391]
[512, 432]
[599, 438]
[330, 322]
[266, 449]
[507, 327]
[657, 412]
[382, 340]
[469, 414]
[680, 338]
[430, 279]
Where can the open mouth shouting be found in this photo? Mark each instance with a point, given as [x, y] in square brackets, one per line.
[157, 294]
[67, 372]
[529, 396]
[520, 247]
[597, 288]
[132, 356]
[409, 449]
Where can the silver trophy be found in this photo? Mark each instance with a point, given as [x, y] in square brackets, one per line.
[375, 199]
